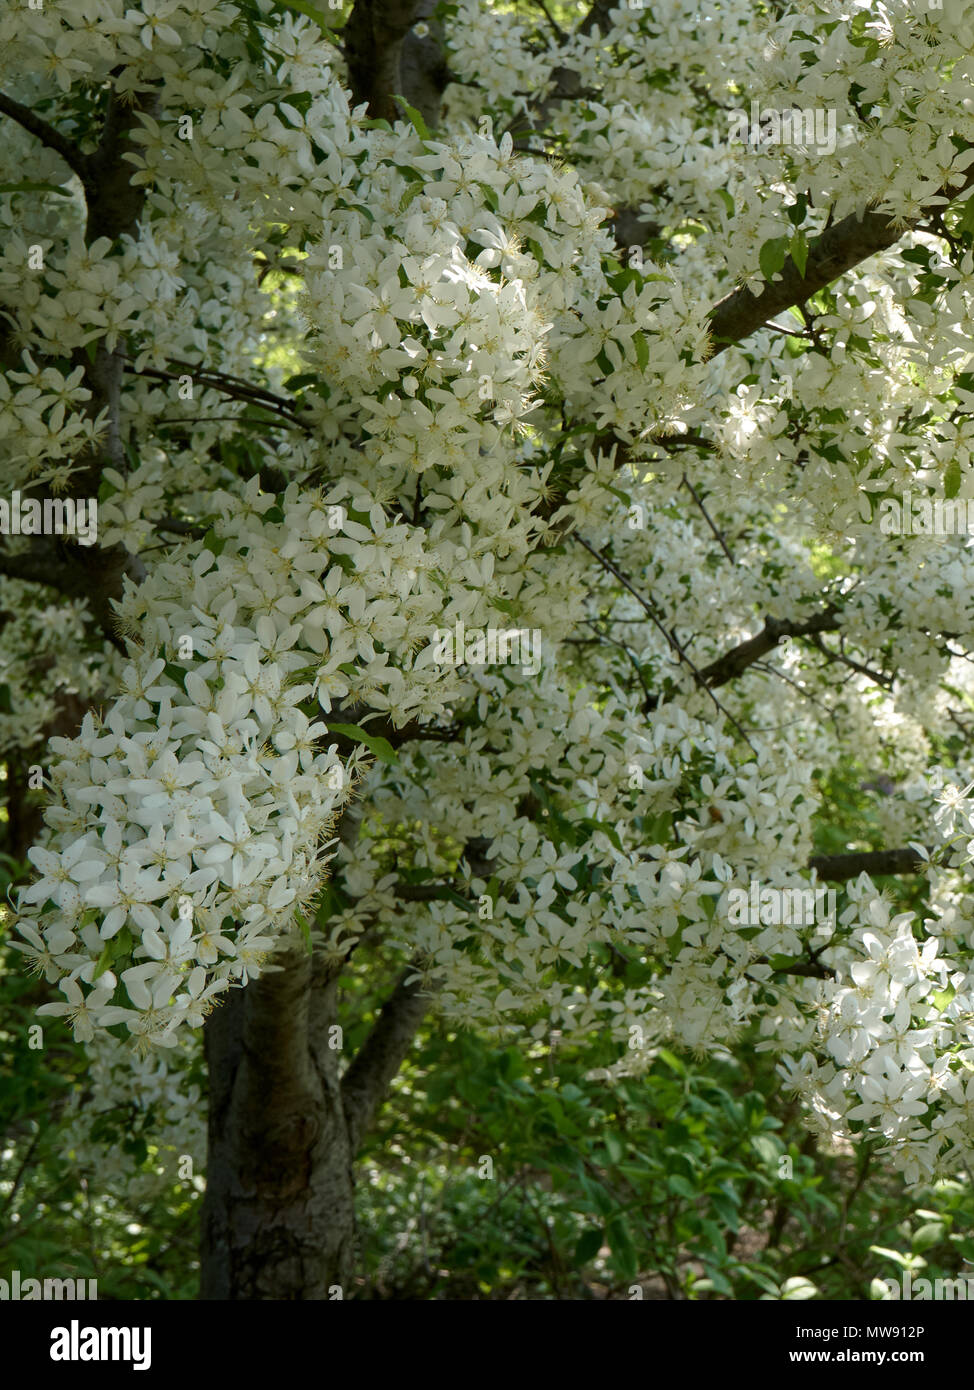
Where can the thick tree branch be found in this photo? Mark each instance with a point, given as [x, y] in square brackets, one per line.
[35, 566]
[91, 573]
[381, 1055]
[837, 250]
[738, 659]
[837, 868]
[48, 136]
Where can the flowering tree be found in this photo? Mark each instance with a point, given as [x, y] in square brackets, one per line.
[489, 413]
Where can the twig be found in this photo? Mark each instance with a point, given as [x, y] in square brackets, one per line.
[706, 516]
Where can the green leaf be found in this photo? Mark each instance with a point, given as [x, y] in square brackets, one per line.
[726, 1210]
[420, 126]
[799, 252]
[623, 1250]
[614, 1147]
[26, 186]
[588, 1245]
[796, 212]
[931, 1233]
[642, 349]
[681, 1186]
[966, 224]
[104, 961]
[903, 1260]
[943, 997]
[303, 379]
[771, 257]
[952, 479]
[381, 747]
[505, 605]
[766, 1149]
[672, 1062]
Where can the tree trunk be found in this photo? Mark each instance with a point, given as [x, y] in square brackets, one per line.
[278, 1215]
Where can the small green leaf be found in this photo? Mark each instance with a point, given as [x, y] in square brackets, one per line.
[623, 1250]
[952, 479]
[943, 997]
[771, 257]
[966, 224]
[931, 1233]
[381, 747]
[672, 1062]
[588, 1245]
[26, 186]
[903, 1260]
[420, 126]
[681, 1186]
[799, 252]
[796, 213]
[104, 961]
[305, 930]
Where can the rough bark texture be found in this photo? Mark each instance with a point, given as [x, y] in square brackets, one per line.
[278, 1216]
[386, 59]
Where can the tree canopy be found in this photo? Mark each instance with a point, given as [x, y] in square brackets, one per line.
[527, 583]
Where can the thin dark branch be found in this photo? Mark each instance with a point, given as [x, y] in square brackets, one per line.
[614, 642]
[557, 30]
[652, 700]
[250, 395]
[706, 516]
[879, 678]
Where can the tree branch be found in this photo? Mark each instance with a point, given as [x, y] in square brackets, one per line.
[48, 136]
[838, 249]
[738, 659]
[381, 1055]
[836, 868]
[79, 572]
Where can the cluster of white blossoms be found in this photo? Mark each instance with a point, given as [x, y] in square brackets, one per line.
[155, 1102]
[191, 822]
[896, 1027]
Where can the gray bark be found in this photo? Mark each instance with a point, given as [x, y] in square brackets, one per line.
[278, 1216]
